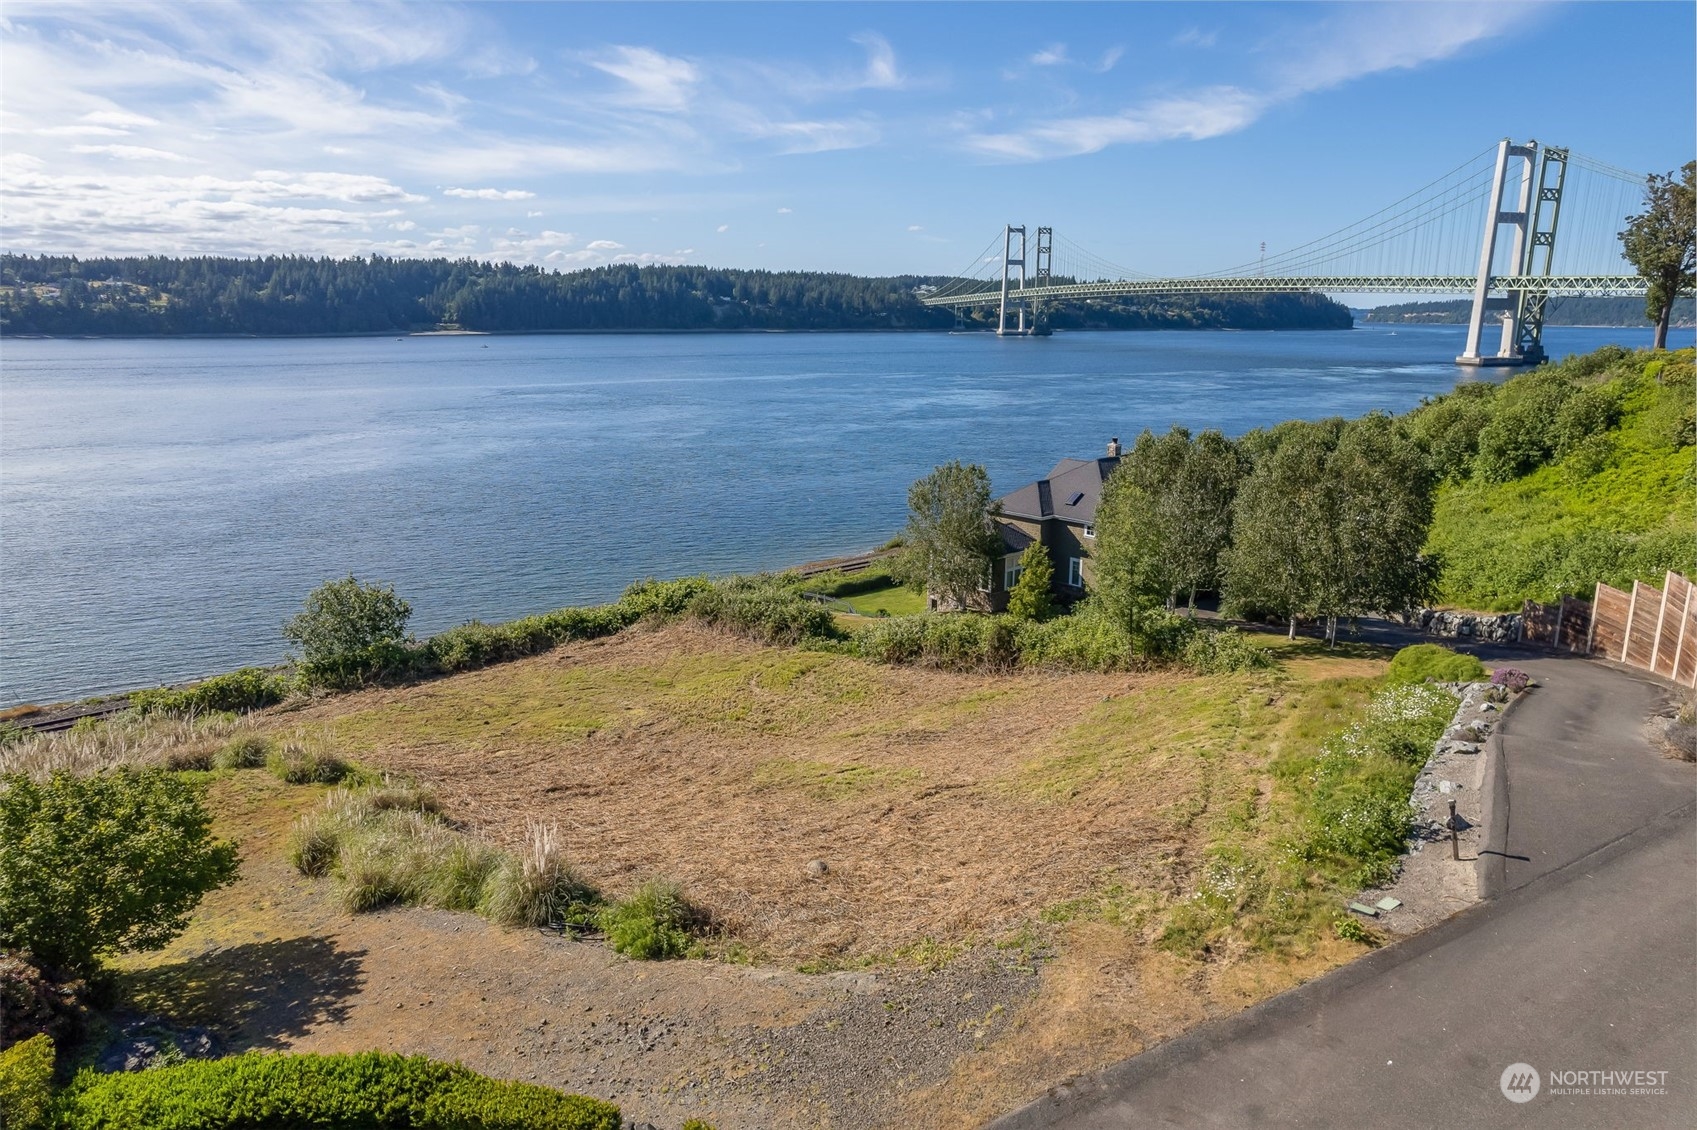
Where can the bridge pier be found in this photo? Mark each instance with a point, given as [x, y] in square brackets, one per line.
[1522, 311]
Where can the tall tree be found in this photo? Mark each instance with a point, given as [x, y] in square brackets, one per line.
[1661, 242]
[1033, 595]
[1279, 523]
[951, 540]
[1165, 518]
[1331, 523]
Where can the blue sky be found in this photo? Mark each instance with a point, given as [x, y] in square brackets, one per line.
[873, 138]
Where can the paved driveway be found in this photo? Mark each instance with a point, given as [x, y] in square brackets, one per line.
[1586, 961]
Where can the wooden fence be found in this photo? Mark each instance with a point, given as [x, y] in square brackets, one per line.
[1648, 628]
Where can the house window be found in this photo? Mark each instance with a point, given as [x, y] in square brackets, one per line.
[1075, 572]
[1090, 531]
[1011, 577]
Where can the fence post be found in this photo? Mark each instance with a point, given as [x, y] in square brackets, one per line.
[1596, 603]
[1626, 635]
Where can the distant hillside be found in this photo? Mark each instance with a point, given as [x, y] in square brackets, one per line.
[290, 295]
[1560, 312]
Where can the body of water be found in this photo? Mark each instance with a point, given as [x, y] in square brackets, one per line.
[166, 505]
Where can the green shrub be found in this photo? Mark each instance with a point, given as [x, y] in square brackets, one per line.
[103, 863]
[297, 765]
[350, 634]
[249, 751]
[1356, 816]
[1223, 651]
[653, 923]
[763, 611]
[966, 641]
[249, 688]
[370, 1090]
[1350, 929]
[662, 600]
[26, 1084]
[1430, 662]
[1083, 640]
[896, 640]
[1586, 415]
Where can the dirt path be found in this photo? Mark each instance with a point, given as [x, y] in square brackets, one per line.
[273, 963]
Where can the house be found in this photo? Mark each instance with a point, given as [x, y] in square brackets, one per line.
[1058, 511]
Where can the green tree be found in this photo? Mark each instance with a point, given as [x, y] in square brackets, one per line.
[348, 632]
[1331, 523]
[950, 536]
[1165, 520]
[97, 865]
[1279, 524]
[1032, 597]
[1661, 242]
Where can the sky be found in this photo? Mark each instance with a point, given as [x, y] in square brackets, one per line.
[870, 138]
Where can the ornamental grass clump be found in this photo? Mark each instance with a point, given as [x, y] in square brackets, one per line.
[247, 751]
[296, 764]
[537, 887]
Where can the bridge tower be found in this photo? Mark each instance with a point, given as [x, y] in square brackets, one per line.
[1533, 223]
[1008, 261]
[1045, 276]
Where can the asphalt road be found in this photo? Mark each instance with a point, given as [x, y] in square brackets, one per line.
[1585, 960]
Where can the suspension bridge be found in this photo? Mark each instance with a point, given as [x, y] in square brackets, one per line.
[1488, 228]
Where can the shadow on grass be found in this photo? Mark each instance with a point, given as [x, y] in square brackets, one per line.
[259, 995]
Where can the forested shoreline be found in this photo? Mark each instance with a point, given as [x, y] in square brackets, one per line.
[281, 296]
[1561, 311]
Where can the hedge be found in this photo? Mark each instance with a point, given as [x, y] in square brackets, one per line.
[365, 1091]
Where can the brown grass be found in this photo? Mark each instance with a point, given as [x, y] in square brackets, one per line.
[947, 807]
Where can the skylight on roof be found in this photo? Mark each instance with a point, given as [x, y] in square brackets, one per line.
[1077, 497]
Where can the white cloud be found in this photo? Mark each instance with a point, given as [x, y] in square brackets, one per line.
[1110, 59]
[604, 245]
[119, 118]
[916, 227]
[722, 228]
[1353, 42]
[130, 152]
[654, 81]
[785, 211]
[1050, 56]
[489, 193]
[882, 73]
[81, 131]
[1195, 37]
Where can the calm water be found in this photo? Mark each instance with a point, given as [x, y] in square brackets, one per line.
[165, 505]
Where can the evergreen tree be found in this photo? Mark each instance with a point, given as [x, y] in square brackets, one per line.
[1032, 597]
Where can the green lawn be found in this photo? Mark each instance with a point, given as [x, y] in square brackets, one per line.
[897, 600]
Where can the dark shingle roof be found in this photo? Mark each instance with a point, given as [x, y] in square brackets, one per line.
[1055, 495]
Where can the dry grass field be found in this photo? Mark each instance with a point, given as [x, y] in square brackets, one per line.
[1001, 853]
[947, 808]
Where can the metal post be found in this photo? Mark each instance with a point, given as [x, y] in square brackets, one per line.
[1455, 832]
[1487, 253]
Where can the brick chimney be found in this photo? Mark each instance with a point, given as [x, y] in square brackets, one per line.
[1114, 448]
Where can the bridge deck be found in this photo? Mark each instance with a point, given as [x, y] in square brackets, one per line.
[1612, 285]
